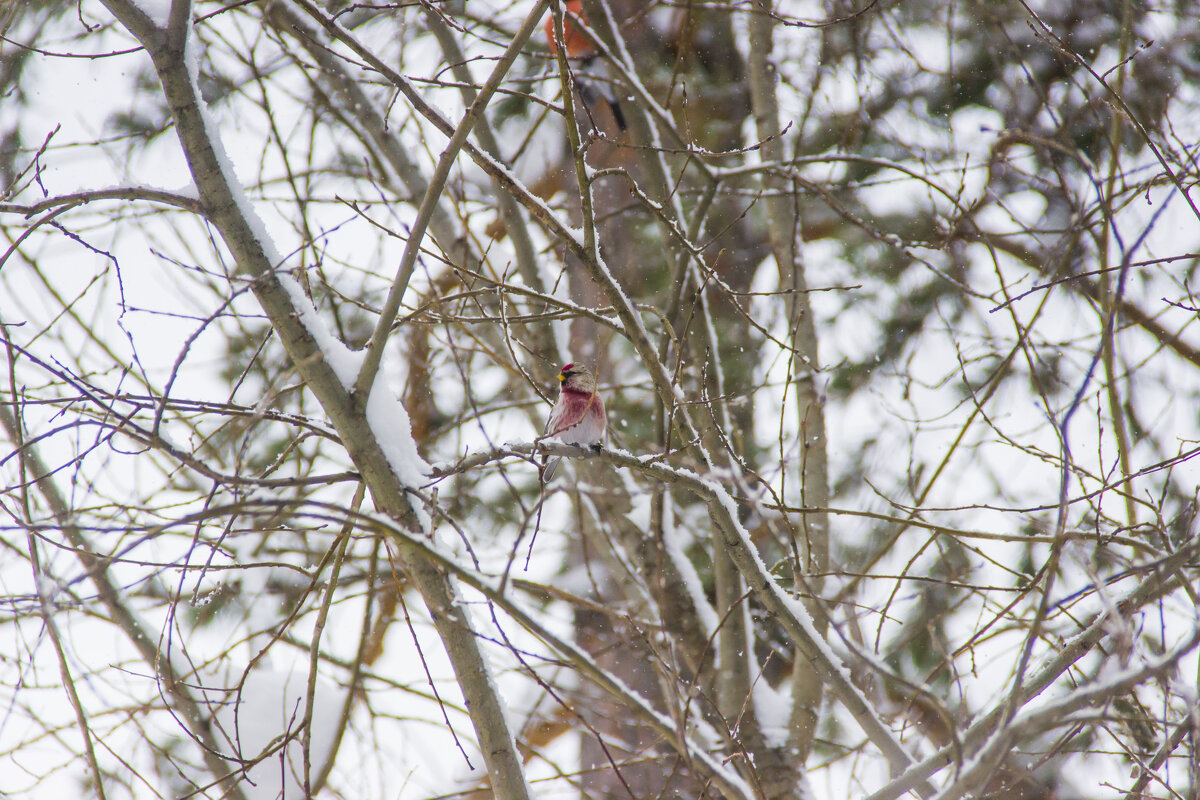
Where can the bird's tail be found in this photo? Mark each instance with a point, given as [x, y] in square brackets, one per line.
[593, 93]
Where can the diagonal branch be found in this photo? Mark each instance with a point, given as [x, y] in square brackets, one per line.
[313, 350]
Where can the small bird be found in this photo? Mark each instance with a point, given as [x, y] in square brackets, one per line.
[578, 416]
[590, 78]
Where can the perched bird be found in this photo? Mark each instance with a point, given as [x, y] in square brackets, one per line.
[578, 416]
[578, 45]
[590, 78]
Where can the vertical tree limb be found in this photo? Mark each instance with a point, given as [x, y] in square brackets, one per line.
[784, 226]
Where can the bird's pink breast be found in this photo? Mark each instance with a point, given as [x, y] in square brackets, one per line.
[580, 421]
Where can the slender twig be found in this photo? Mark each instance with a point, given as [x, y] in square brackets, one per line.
[40, 580]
